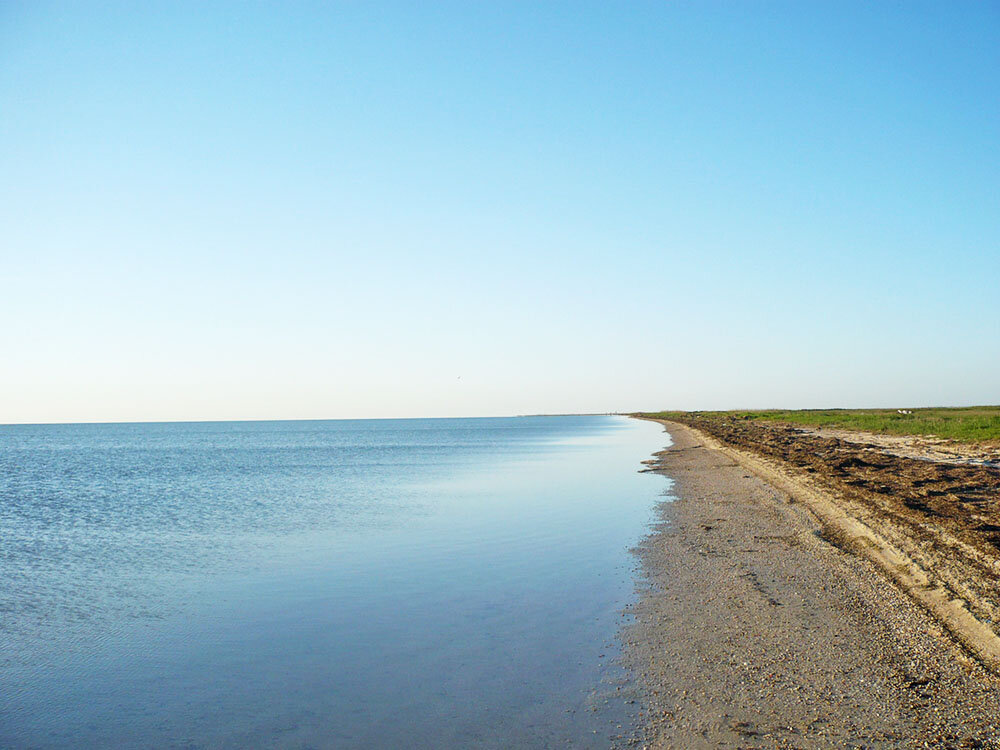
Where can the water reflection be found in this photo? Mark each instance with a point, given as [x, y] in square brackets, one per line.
[321, 584]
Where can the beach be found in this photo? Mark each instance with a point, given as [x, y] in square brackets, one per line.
[759, 626]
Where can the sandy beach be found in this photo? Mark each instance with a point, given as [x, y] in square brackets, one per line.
[757, 627]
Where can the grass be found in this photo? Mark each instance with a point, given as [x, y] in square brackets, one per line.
[972, 424]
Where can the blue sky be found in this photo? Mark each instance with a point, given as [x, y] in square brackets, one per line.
[298, 210]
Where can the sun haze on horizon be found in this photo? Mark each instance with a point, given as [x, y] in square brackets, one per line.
[237, 211]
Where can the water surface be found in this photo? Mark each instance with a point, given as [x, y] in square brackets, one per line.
[445, 583]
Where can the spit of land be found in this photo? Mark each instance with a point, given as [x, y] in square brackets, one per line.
[820, 588]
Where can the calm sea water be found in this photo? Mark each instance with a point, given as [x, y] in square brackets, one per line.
[376, 583]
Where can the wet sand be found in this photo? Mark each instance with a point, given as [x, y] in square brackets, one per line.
[756, 631]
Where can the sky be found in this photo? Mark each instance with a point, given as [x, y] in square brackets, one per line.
[295, 210]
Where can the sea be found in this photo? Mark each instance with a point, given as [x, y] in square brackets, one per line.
[439, 583]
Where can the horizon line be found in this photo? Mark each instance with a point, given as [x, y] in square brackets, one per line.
[308, 419]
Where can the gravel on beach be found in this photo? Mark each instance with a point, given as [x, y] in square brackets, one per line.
[753, 630]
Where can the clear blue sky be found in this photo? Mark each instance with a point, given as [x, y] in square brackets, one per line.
[381, 209]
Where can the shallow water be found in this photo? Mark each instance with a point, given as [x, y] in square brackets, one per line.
[447, 582]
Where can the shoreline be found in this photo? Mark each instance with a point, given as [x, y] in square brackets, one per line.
[919, 521]
[766, 619]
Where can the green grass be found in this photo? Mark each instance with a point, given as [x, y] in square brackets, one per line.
[967, 424]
